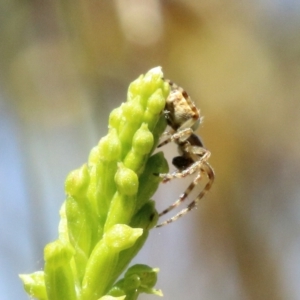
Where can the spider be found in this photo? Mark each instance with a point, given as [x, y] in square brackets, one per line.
[183, 118]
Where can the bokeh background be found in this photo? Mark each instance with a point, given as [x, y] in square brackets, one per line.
[64, 65]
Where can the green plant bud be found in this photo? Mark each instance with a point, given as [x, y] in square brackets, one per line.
[126, 180]
[141, 146]
[34, 284]
[80, 224]
[155, 106]
[93, 188]
[146, 218]
[134, 88]
[121, 210]
[142, 140]
[151, 82]
[147, 276]
[59, 278]
[115, 117]
[133, 113]
[118, 124]
[77, 182]
[104, 258]
[80, 261]
[97, 207]
[60, 283]
[110, 147]
[82, 231]
[57, 253]
[138, 279]
[103, 183]
[94, 156]
[147, 85]
[123, 204]
[121, 237]
[102, 187]
[156, 102]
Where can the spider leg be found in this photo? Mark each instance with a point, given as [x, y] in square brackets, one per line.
[183, 196]
[205, 168]
[180, 174]
[179, 136]
[191, 169]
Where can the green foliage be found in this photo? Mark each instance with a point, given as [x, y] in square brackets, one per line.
[107, 214]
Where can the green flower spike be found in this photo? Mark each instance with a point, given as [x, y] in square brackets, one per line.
[108, 211]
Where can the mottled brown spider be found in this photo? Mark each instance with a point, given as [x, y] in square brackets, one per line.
[183, 118]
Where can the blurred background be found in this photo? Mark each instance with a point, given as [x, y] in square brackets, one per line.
[64, 65]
